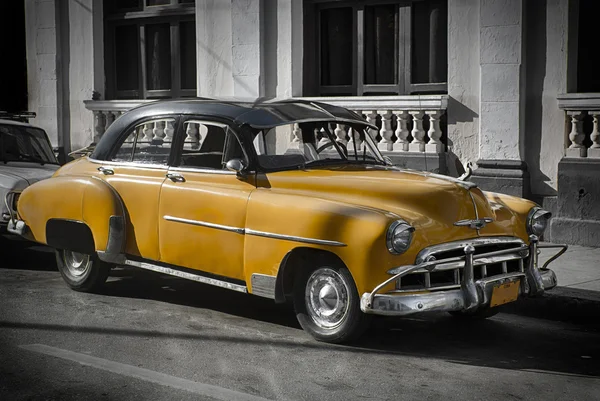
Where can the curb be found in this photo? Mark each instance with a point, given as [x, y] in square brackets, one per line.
[562, 304]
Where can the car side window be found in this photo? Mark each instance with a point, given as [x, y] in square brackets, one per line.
[209, 146]
[148, 143]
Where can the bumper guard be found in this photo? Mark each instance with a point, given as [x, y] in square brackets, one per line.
[473, 294]
[14, 225]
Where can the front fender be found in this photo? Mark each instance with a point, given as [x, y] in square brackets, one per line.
[357, 234]
[63, 201]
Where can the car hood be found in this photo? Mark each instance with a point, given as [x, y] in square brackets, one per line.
[18, 175]
[430, 202]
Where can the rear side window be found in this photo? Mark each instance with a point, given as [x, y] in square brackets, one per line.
[209, 145]
[148, 143]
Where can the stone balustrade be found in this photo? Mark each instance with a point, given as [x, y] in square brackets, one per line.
[582, 111]
[412, 124]
[405, 123]
[107, 111]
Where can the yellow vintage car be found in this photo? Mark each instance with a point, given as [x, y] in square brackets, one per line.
[285, 200]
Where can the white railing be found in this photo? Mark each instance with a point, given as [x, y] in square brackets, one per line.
[107, 111]
[405, 123]
[582, 112]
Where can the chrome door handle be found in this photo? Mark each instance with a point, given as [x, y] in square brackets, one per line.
[106, 170]
[175, 177]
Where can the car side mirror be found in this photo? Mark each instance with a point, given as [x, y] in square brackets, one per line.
[236, 165]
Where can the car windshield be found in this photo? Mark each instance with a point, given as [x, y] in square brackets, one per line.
[314, 144]
[28, 144]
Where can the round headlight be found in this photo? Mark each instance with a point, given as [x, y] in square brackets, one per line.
[399, 236]
[537, 221]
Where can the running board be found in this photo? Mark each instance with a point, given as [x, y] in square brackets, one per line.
[186, 275]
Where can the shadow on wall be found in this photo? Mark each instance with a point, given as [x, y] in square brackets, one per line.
[535, 74]
[457, 113]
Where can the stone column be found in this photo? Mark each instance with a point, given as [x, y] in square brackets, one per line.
[43, 68]
[214, 48]
[502, 107]
[246, 48]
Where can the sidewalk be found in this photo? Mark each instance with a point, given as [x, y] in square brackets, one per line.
[577, 296]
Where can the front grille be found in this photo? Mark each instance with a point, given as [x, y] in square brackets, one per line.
[448, 276]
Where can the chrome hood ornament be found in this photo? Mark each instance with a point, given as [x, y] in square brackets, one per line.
[475, 224]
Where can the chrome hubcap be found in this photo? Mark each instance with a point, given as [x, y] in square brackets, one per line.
[326, 298]
[77, 263]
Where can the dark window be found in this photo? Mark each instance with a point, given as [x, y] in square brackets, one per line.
[377, 47]
[588, 79]
[150, 49]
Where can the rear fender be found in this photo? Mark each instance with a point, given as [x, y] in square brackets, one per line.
[71, 212]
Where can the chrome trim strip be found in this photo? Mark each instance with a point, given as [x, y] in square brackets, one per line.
[201, 170]
[256, 233]
[294, 238]
[129, 164]
[204, 224]
[426, 290]
[189, 276]
[263, 285]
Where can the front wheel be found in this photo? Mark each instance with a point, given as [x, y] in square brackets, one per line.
[82, 272]
[327, 305]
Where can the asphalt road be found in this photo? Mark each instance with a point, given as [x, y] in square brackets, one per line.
[152, 337]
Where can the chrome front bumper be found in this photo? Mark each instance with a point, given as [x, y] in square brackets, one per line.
[473, 294]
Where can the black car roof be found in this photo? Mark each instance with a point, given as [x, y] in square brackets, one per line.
[258, 114]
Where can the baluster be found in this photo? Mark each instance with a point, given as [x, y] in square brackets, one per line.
[295, 143]
[371, 117]
[297, 133]
[110, 118]
[134, 134]
[434, 133]
[340, 134]
[159, 130]
[576, 136]
[386, 130]
[169, 130]
[594, 150]
[100, 125]
[355, 143]
[401, 143]
[147, 131]
[191, 136]
[417, 144]
[324, 138]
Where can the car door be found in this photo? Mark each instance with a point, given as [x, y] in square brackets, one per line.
[203, 205]
[136, 170]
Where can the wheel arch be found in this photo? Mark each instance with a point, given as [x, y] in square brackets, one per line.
[293, 261]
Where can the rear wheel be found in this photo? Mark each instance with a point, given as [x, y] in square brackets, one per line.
[82, 272]
[327, 304]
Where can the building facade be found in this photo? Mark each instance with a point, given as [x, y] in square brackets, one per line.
[505, 84]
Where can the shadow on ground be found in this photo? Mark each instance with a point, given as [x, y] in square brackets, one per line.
[505, 342]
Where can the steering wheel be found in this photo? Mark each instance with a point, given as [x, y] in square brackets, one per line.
[331, 144]
[323, 147]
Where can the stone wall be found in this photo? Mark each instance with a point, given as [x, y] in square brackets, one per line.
[64, 66]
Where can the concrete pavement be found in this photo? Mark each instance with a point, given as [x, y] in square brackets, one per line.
[577, 296]
[575, 299]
